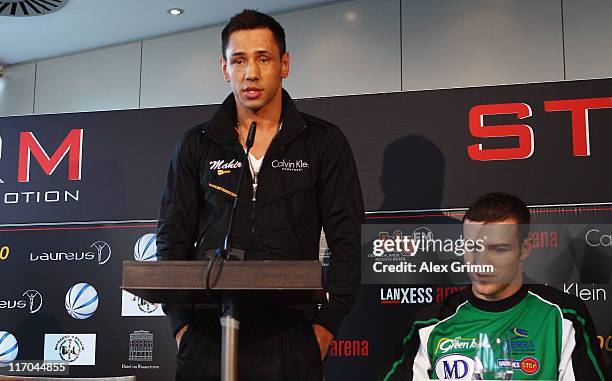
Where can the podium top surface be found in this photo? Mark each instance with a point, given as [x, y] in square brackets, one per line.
[185, 281]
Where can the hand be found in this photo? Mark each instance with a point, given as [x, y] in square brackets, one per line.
[179, 334]
[324, 338]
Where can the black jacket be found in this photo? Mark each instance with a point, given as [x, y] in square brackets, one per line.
[308, 180]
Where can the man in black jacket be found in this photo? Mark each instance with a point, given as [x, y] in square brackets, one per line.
[302, 178]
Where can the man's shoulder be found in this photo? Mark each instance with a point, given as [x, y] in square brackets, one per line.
[564, 301]
[321, 128]
[193, 135]
[196, 131]
[445, 308]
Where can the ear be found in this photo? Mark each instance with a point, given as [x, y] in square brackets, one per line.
[526, 249]
[285, 60]
[223, 64]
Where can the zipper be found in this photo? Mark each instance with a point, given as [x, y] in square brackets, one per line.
[256, 184]
[253, 200]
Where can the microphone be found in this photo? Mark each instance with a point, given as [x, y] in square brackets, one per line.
[251, 136]
[225, 253]
[227, 243]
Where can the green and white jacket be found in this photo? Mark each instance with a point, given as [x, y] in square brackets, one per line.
[547, 334]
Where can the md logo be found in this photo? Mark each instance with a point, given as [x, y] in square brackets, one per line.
[454, 367]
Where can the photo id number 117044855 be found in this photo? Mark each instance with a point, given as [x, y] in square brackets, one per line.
[36, 368]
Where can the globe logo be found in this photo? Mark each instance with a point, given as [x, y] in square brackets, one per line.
[81, 301]
[145, 248]
[8, 348]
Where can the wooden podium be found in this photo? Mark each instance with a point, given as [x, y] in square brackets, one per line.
[231, 282]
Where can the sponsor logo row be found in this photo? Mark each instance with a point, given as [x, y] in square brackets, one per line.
[99, 252]
[429, 295]
[81, 302]
[80, 349]
[452, 364]
[462, 367]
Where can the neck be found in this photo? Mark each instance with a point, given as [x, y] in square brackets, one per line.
[267, 117]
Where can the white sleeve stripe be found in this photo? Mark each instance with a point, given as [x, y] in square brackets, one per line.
[422, 363]
[568, 343]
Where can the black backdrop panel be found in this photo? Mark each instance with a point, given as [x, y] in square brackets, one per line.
[411, 152]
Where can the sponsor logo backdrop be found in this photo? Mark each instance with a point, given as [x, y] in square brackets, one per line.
[79, 194]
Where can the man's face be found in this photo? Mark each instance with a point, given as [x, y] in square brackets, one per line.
[254, 67]
[503, 250]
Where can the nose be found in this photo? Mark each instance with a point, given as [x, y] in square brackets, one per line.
[252, 72]
[482, 258]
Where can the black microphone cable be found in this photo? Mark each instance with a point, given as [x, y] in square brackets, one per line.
[225, 252]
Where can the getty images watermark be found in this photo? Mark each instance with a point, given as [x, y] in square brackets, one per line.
[456, 253]
[394, 253]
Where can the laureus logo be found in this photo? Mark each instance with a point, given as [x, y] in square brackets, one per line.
[104, 251]
[101, 251]
[35, 300]
[32, 301]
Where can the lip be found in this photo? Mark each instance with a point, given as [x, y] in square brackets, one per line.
[252, 92]
[483, 278]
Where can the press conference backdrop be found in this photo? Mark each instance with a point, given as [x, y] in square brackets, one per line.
[79, 194]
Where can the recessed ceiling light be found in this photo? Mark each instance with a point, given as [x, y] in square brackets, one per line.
[176, 11]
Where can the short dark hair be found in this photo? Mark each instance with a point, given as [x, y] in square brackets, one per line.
[252, 19]
[497, 207]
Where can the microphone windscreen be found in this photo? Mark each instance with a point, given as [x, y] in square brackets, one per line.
[251, 136]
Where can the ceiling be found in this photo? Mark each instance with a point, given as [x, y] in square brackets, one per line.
[88, 24]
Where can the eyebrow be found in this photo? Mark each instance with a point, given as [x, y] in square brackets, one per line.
[496, 245]
[261, 51]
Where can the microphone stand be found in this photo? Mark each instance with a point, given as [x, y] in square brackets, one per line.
[230, 323]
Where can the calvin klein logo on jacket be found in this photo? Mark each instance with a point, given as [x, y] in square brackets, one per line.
[290, 165]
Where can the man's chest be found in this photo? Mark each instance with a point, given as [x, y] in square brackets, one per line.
[514, 345]
[280, 172]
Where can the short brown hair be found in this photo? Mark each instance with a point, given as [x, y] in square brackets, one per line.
[497, 207]
[252, 19]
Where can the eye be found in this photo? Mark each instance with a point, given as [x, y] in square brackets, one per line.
[264, 59]
[238, 61]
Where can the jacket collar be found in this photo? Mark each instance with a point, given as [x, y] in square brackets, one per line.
[221, 126]
[499, 305]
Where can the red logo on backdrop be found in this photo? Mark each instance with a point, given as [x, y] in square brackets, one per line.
[444, 292]
[530, 365]
[544, 239]
[29, 146]
[579, 109]
[349, 348]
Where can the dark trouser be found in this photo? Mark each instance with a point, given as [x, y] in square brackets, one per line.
[265, 353]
